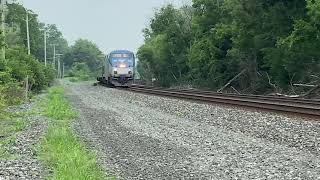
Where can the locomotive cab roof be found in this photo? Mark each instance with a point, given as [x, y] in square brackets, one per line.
[121, 52]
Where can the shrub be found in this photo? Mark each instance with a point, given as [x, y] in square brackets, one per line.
[2, 104]
[12, 93]
[80, 71]
[21, 65]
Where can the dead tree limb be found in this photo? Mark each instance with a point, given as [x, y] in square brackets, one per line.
[314, 89]
[305, 95]
[174, 76]
[305, 85]
[234, 78]
[291, 83]
[235, 90]
[271, 84]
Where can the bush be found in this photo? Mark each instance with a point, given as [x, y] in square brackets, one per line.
[12, 93]
[79, 72]
[20, 65]
[2, 104]
[5, 77]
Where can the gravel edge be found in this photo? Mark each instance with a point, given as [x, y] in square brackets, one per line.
[26, 165]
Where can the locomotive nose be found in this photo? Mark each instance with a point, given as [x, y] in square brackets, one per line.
[122, 71]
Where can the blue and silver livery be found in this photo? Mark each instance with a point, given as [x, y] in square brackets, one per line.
[118, 69]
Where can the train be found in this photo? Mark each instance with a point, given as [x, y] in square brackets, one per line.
[118, 69]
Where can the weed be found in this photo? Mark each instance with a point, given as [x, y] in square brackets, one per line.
[60, 149]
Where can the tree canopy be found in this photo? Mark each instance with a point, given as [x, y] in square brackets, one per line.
[18, 64]
[84, 51]
[276, 43]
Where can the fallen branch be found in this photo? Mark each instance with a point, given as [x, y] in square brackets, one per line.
[305, 95]
[311, 91]
[305, 85]
[235, 90]
[234, 78]
[285, 95]
[271, 84]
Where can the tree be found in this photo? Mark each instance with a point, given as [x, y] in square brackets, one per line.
[84, 51]
[274, 44]
[167, 42]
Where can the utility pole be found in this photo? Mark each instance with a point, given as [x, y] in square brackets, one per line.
[3, 18]
[45, 47]
[28, 33]
[54, 56]
[62, 70]
[27, 19]
[59, 66]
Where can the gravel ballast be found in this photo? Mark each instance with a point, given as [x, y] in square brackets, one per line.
[139, 136]
[25, 164]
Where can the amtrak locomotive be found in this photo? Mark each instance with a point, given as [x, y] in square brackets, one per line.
[118, 69]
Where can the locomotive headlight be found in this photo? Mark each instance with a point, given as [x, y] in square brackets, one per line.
[130, 72]
[115, 71]
[122, 66]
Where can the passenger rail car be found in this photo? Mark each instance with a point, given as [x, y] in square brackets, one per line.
[118, 69]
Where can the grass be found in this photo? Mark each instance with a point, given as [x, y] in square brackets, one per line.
[79, 78]
[60, 150]
[9, 126]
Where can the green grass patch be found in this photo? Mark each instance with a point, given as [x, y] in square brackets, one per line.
[79, 79]
[57, 107]
[9, 126]
[73, 79]
[60, 150]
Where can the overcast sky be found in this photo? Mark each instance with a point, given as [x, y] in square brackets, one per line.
[111, 24]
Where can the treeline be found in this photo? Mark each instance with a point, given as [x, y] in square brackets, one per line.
[271, 45]
[17, 66]
[83, 60]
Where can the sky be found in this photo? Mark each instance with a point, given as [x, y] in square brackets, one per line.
[111, 24]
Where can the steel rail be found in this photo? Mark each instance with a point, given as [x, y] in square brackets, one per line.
[297, 106]
[305, 102]
[284, 99]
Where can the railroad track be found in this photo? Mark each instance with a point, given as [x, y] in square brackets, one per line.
[281, 104]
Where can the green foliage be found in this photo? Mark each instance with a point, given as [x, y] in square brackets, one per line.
[79, 72]
[57, 106]
[60, 149]
[18, 65]
[211, 42]
[164, 53]
[21, 65]
[67, 157]
[12, 93]
[84, 51]
[10, 123]
[83, 60]
[9, 126]
[3, 104]
[17, 25]
[54, 37]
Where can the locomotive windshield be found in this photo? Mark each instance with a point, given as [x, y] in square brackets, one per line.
[121, 55]
[120, 59]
